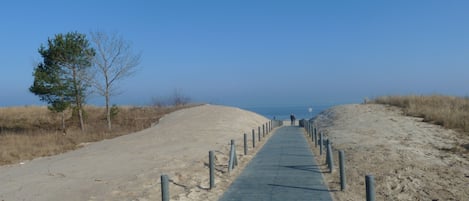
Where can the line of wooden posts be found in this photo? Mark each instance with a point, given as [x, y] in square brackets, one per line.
[233, 159]
[319, 140]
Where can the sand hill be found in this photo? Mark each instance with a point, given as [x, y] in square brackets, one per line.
[129, 167]
[410, 159]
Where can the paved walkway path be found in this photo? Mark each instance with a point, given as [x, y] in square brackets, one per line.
[284, 169]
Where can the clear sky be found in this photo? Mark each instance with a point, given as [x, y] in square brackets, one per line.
[254, 53]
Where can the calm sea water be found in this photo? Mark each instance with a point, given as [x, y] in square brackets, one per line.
[283, 113]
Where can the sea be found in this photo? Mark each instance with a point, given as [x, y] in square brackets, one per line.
[283, 112]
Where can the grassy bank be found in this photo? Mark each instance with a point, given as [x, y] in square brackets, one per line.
[32, 131]
[450, 112]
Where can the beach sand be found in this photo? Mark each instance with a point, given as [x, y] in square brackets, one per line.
[129, 167]
[409, 159]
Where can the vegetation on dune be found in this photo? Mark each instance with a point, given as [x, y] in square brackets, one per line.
[33, 131]
[447, 111]
[60, 79]
[71, 69]
[72, 65]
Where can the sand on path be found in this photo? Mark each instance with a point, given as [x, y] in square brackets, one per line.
[129, 167]
[410, 159]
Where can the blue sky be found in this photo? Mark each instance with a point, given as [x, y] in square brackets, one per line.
[254, 53]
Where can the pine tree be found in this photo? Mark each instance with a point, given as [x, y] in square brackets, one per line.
[51, 89]
[61, 79]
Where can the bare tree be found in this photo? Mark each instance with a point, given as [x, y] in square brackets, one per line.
[113, 62]
[179, 99]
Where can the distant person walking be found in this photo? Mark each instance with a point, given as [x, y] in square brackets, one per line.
[292, 118]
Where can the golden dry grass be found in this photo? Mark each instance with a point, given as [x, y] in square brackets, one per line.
[33, 131]
[450, 112]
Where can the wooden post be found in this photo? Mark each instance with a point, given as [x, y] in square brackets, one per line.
[327, 152]
[211, 161]
[315, 138]
[235, 156]
[259, 132]
[253, 139]
[331, 158]
[310, 129]
[320, 143]
[370, 188]
[164, 188]
[232, 157]
[312, 136]
[245, 144]
[263, 130]
[342, 169]
[316, 134]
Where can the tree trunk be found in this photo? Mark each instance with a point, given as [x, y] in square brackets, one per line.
[108, 111]
[78, 98]
[80, 115]
[63, 121]
[80, 111]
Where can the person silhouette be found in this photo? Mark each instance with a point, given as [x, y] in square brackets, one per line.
[292, 118]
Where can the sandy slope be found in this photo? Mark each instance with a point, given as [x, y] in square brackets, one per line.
[410, 159]
[129, 167]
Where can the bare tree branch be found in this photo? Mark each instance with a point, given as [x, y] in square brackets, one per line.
[114, 61]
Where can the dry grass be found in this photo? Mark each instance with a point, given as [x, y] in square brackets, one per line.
[33, 131]
[450, 112]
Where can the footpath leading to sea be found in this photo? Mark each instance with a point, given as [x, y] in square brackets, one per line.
[284, 169]
[409, 159]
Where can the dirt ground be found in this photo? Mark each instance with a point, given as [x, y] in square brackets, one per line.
[129, 167]
[409, 159]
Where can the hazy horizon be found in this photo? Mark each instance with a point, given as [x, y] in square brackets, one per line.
[254, 53]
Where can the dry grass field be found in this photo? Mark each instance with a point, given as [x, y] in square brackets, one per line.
[33, 131]
[447, 111]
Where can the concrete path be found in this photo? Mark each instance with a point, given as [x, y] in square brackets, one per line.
[284, 169]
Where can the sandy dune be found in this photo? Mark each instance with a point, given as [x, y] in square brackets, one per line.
[410, 159]
[129, 167]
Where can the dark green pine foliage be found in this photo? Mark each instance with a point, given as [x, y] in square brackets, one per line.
[50, 88]
[61, 79]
